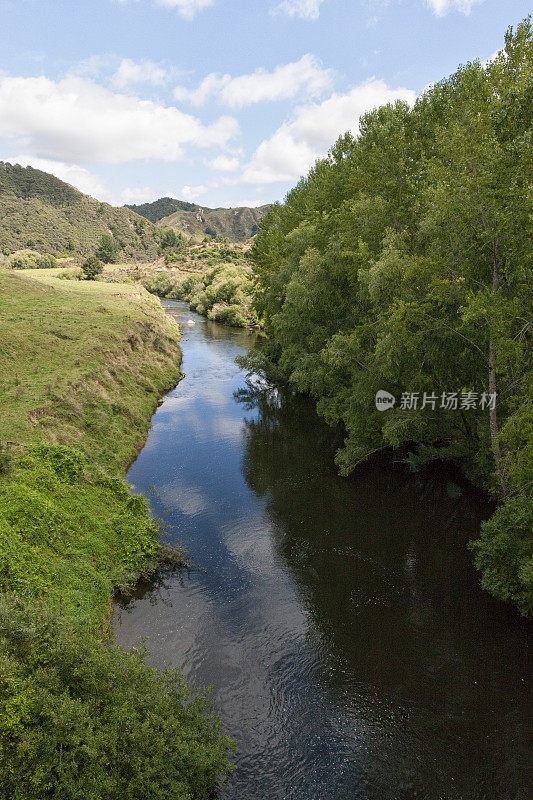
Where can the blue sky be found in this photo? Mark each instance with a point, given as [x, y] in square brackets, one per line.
[221, 102]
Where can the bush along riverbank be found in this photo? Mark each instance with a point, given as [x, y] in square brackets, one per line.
[216, 281]
[223, 293]
[84, 364]
[402, 264]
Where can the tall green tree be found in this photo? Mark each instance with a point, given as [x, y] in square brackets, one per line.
[108, 250]
[402, 262]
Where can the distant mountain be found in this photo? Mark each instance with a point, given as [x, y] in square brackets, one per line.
[40, 211]
[163, 207]
[238, 224]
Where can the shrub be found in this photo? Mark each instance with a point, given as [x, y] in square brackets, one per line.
[78, 719]
[169, 238]
[92, 267]
[67, 535]
[24, 259]
[503, 553]
[66, 462]
[46, 261]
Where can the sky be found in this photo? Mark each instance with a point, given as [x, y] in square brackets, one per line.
[218, 102]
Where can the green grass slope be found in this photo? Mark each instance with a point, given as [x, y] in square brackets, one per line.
[83, 365]
[39, 211]
[237, 224]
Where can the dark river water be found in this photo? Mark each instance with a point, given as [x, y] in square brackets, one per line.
[339, 621]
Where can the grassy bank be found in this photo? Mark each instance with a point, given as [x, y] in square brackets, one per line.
[83, 365]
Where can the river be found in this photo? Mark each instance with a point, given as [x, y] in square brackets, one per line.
[339, 621]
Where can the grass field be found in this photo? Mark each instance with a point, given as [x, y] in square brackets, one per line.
[83, 364]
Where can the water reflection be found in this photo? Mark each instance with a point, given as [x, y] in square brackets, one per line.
[339, 621]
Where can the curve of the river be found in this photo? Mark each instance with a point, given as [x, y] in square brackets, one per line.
[351, 652]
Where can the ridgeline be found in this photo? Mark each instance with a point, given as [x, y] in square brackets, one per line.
[235, 224]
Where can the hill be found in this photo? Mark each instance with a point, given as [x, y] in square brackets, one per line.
[237, 224]
[39, 211]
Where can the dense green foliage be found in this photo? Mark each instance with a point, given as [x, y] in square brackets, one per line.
[223, 293]
[92, 267]
[107, 250]
[403, 263]
[237, 224]
[70, 532]
[30, 259]
[81, 720]
[161, 208]
[39, 211]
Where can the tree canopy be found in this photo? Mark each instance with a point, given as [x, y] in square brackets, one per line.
[402, 263]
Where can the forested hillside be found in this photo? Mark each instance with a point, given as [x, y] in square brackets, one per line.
[402, 263]
[237, 224]
[41, 212]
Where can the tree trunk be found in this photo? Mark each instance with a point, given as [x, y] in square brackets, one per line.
[493, 419]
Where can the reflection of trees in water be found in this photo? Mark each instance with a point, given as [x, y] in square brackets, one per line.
[381, 562]
[155, 588]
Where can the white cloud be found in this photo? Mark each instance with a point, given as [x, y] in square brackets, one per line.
[305, 78]
[295, 146]
[78, 121]
[305, 9]
[77, 176]
[224, 163]
[246, 203]
[192, 193]
[95, 66]
[136, 194]
[443, 7]
[131, 73]
[187, 8]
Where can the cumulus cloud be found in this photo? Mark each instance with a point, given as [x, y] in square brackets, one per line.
[443, 7]
[296, 145]
[224, 163]
[305, 9]
[75, 120]
[493, 57]
[246, 203]
[187, 8]
[137, 194]
[305, 78]
[132, 73]
[192, 193]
